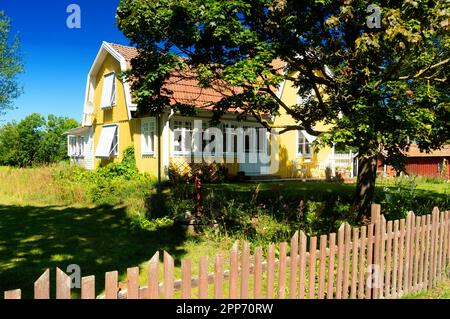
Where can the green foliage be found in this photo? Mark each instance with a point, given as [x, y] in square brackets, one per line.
[403, 197]
[34, 140]
[10, 65]
[210, 172]
[140, 222]
[112, 183]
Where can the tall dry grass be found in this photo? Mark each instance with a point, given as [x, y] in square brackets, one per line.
[36, 186]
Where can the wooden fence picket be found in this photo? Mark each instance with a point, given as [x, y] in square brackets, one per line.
[13, 294]
[312, 267]
[423, 223]
[302, 266]
[362, 263]
[331, 261]
[218, 277]
[322, 265]
[270, 271]
[340, 261]
[441, 244]
[400, 258]
[416, 252]
[153, 277]
[282, 271]
[42, 286]
[133, 283]
[203, 278]
[427, 252]
[395, 263]
[382, 256]
[347, 253]
[63, 283]
[168, 275]
[234, 272]
[257, 285]
[186, 276]
[245, 270]
[376, 246]
[387, 286]
[88, 287]
[354, 276]
[370, 241]
[111, 285]
[293, 266]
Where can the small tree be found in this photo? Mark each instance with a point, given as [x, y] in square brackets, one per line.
[381, 85]
[10, 65]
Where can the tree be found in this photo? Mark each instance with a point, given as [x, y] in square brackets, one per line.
[380, 88]
[10, 65]
[31, 134]
[9, 144]
[53, 146]
[34, 140]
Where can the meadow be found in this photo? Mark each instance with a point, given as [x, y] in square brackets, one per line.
[111, 220]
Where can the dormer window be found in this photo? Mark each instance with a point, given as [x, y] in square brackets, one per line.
[109, 91]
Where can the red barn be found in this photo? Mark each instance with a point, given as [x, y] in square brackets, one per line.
[433, 164]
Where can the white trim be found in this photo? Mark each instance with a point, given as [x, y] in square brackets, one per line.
[300, 154]
[90, 83]
[165, 149]
[152, 128]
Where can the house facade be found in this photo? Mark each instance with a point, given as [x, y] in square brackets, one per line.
[109, 126]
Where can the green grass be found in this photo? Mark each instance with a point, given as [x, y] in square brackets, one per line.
[441, 291]
[44, 224]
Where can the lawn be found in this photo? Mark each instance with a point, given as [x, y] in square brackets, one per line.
[44, 224]
[441, 291]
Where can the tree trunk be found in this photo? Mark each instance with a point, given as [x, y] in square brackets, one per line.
[365, 185]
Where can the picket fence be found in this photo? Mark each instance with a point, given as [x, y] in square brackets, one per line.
[380, 260]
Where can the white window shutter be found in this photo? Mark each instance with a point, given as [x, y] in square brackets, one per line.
[105, 143]
[108, 91]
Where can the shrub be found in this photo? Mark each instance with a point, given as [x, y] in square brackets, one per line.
[185, 173]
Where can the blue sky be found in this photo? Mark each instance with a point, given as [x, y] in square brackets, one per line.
[57, 59]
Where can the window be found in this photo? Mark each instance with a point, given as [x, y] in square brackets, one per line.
[303, 145]
[76, 146]
[148, 130]
[108, 144]
[182, 136]
[108, 91]
[230, 139]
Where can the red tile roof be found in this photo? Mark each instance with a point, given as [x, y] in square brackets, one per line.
[185, 87]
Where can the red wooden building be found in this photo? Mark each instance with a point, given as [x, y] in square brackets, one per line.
[433, 164]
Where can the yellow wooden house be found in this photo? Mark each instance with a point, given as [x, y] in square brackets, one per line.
[109, 126]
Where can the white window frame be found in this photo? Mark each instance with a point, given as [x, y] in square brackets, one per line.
[104, 104]
[303, 143]
[148, 138]
[115, 149]
[184, 132]
[75, 149]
